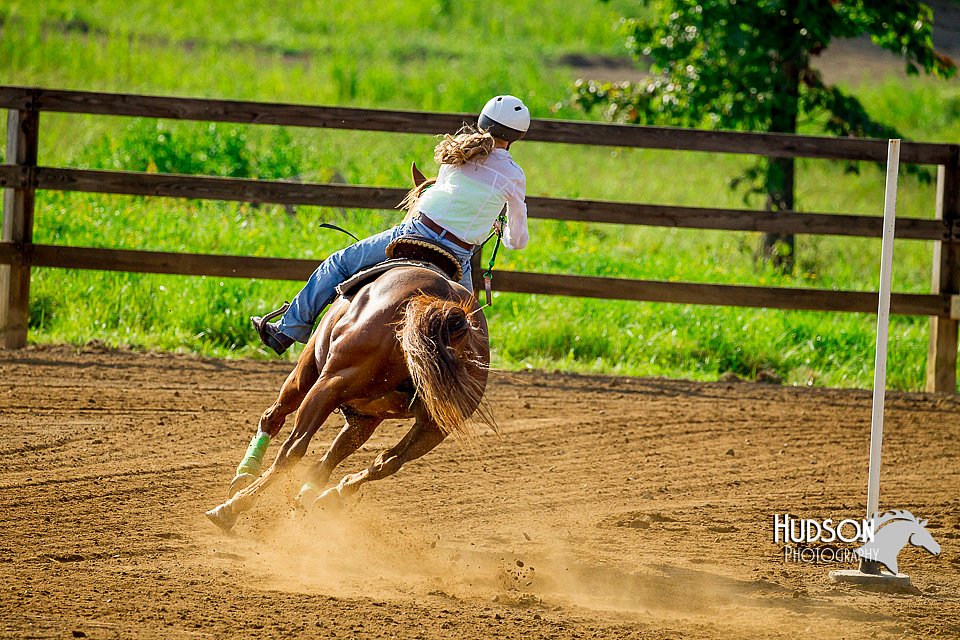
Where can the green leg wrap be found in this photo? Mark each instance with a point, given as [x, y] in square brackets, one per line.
[253, 459]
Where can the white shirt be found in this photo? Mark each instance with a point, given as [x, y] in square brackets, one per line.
[467, 199]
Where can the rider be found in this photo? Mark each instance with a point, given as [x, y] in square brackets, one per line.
[477, 177]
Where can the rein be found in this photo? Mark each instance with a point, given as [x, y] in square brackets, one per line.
[488, 274]
[330, 225]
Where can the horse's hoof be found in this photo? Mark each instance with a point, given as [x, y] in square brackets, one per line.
[329, 501]
[306, 499]
[240, 482]
[222, 517]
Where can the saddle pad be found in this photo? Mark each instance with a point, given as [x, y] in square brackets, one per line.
[354, 283]
[420, 249]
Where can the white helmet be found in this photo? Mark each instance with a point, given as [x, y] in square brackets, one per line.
[505, 117]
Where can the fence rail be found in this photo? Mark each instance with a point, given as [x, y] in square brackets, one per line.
[338, 195]
[195, 264]
[21, 177]
[779, 145]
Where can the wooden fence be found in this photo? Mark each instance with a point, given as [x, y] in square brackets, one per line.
[22, 176]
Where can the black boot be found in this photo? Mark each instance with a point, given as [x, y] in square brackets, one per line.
[270, 333]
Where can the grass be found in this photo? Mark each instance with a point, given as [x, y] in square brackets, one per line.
[446, 57]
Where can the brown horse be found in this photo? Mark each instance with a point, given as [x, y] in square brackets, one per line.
[411, 344]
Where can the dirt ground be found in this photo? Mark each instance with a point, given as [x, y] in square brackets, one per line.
[611, 507]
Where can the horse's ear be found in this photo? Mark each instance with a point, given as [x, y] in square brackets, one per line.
[418, 177]
[923, 523]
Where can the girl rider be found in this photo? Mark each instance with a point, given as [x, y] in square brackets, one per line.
[477, 177]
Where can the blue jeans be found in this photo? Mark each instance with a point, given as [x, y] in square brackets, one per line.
[320, 289]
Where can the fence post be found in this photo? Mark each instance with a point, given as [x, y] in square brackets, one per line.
[22, 130]
[942, 355]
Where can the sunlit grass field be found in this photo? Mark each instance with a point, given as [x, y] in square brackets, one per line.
[438, 56]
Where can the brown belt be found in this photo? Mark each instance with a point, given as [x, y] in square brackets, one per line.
[436, 228]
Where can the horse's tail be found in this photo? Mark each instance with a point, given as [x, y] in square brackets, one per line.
[445, 350]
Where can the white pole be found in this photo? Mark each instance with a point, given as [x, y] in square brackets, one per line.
[883, 325]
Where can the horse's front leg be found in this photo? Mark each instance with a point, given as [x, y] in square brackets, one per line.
[318, 404]
[292, 393]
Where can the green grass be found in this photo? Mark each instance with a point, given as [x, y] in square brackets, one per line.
[444, 56]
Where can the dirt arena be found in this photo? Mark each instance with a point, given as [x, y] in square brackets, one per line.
[611, 507]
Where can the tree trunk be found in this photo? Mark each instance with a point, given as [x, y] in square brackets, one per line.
[780, 247]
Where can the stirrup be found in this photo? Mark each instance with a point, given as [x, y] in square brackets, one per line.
[270, 316]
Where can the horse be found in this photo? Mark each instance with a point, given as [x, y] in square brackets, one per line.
[410, 344]
[898, 528]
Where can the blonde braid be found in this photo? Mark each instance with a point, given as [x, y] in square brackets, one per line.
[468, 144]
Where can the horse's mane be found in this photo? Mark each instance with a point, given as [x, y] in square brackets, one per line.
[890, 516]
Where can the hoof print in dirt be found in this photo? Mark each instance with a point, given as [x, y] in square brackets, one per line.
[635, 520]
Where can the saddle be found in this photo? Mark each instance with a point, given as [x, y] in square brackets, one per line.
[406, 251]
[414, 247]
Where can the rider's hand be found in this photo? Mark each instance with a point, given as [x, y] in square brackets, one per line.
[497, 227]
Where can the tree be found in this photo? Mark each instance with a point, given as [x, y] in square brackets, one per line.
[730, 64]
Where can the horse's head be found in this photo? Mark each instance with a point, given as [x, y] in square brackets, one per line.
[420, 184]
[922, 538]
[892, 531]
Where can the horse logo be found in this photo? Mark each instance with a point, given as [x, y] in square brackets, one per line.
[892, 531]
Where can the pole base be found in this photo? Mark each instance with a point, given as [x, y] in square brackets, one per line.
[899, 583]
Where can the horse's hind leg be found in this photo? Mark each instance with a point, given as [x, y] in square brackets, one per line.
[318, 404]
[292, 393]
[355, 433]
[420, 440]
